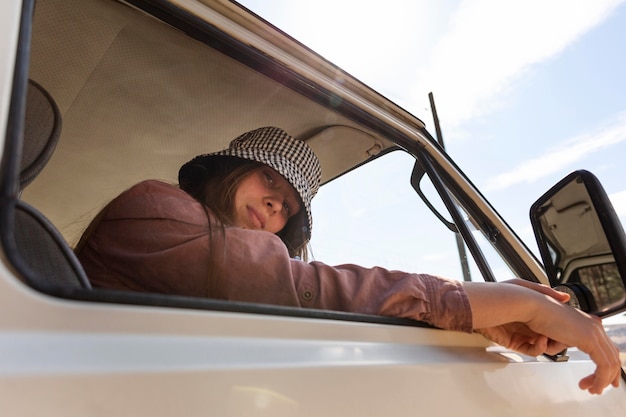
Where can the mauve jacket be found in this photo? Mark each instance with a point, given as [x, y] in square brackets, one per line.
[155, 238]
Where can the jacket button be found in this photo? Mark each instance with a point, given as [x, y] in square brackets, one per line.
[307, 295]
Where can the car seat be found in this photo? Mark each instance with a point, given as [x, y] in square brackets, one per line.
[42, 255]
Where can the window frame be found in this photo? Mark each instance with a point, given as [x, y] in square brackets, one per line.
[256, 60]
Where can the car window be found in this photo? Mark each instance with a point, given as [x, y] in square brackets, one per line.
[373, 217]
[127, 117]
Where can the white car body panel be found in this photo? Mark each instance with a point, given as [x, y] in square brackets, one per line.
[61, 357]
[74, 359]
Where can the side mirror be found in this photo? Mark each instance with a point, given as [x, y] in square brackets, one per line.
[582, 244]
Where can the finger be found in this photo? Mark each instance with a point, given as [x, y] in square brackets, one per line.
[555, 347]
[560, 296]
[541, 345]
[592, 384]
[587, 382]
[608, 365]
[531, 346]
[541, 288]
[617, 380]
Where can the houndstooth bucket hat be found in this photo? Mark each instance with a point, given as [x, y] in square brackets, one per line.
[290, 157]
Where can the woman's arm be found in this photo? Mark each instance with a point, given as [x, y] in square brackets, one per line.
[533, 320]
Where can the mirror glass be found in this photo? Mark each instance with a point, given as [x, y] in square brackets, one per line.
[582, 243]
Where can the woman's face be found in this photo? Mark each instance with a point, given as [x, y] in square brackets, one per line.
[265, 200]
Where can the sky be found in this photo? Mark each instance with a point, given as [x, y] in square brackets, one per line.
[526, 92]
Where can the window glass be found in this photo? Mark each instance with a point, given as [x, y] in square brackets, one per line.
[500, 270]
[373, 217]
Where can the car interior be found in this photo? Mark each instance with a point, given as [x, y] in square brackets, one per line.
[137, 98]
[117, 94]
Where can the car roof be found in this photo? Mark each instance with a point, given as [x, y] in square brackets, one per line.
[142, 87]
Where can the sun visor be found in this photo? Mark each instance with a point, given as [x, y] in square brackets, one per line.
[350, 147]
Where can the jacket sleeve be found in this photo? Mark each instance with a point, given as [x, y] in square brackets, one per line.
[256, 267]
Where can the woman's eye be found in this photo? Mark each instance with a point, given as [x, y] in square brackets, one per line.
[269, 178]
[286, 208]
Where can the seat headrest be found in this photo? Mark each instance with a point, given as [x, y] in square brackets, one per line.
[42, 129]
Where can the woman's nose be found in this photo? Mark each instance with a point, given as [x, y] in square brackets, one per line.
[273, 203]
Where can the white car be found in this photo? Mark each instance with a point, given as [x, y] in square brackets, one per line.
[98, 95]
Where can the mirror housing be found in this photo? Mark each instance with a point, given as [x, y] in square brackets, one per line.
[582, 244]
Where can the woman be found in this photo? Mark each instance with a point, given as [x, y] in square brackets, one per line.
[240, 219]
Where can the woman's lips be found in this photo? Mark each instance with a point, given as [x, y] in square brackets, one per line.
[258, 222]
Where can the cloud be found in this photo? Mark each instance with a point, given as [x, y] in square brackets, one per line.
[562, 156]
[491, 43]
[619, 203]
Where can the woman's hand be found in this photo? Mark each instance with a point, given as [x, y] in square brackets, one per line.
[532, 319]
